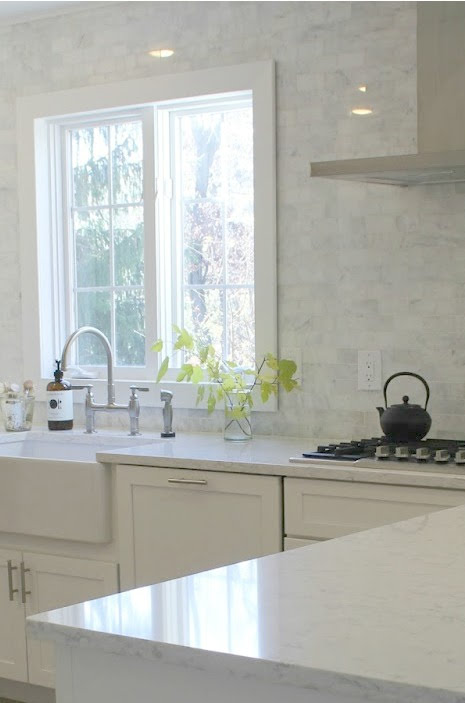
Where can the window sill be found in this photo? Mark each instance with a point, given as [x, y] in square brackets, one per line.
[184, 394]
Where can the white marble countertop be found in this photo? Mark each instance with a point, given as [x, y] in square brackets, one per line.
[378, 615]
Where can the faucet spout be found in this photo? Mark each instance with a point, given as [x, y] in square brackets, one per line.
[93, 330]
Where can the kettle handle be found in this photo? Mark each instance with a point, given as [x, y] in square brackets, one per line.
[406, 373]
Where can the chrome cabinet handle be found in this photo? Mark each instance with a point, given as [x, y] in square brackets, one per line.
[194, 481]
[24, 593]
[11, 590]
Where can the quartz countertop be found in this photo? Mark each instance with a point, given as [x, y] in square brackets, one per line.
[378, 615]
[270, 456]
[266, 455]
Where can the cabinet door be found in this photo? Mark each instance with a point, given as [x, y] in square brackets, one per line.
[55, 582]
[13, 661]
[174, 522]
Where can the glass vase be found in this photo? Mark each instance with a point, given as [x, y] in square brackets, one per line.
[237, 416]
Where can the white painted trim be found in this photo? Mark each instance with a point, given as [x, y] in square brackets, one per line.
[258, 77]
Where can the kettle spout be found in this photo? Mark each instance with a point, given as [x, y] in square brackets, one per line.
[380, 410]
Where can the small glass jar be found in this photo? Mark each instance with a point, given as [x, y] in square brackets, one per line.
[237, 416]
[17, 412]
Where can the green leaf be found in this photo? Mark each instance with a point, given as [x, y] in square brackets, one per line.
[157, 346]
[211, 403]
[185, 373]
[271, 361]
[287, 369]
[184, 340]
[197, 374]
[265, 391]
[163, 368]
[203, 354]
[200, 394]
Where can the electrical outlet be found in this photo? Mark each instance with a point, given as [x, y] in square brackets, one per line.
[369, 371]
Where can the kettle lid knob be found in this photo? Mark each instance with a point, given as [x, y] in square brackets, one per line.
[405, 399]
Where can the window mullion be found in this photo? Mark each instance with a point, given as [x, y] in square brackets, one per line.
[151, 253]
[68, 238]
[112, 246]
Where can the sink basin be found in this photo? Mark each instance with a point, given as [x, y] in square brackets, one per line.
[53, 486]
[76, 448]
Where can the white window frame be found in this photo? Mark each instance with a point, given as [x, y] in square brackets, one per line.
[39, 251]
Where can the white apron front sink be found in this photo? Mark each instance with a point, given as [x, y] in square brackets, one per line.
[53, 486]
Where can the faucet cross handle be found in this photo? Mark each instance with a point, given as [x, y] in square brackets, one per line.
[134, 390]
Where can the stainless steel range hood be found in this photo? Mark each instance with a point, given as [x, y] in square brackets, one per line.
[440, 104]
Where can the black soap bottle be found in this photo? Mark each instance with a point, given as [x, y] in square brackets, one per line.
[59, 402]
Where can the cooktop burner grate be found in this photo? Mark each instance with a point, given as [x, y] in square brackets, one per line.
[366, 449]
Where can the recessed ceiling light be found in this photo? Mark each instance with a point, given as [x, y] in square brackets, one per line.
[362, 88]
[362, 111]
[161, 53]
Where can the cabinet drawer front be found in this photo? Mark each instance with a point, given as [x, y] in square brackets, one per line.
[324, 509]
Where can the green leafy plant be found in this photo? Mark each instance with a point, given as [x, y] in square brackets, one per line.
[220, 380]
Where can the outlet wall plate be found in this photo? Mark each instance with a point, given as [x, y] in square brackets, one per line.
[369, 371]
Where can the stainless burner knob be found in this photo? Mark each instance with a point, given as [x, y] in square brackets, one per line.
[402, 453]
[382, 452]
[441, 456]
[422, 454]
[460, 456]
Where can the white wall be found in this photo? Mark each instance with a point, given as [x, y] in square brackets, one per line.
[360, 267]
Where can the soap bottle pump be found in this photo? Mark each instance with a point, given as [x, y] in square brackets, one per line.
[59, 402]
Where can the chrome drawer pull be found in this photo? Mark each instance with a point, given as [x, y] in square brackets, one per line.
[194, 481]
[11, 590]
[24, 593]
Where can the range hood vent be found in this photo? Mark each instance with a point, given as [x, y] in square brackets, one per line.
[441, 110]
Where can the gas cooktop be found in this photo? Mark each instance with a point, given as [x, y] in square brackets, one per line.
[439, 451]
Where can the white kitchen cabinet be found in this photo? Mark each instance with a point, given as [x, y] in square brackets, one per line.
[13, 659]
[55, 582]
[177, 522]
[319, 509]
[42, 582]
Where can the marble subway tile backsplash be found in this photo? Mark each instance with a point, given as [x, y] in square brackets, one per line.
[359, 266]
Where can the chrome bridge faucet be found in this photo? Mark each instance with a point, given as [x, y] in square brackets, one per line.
[133, 407]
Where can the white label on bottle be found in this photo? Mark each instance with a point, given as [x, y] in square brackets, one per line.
[59, 405]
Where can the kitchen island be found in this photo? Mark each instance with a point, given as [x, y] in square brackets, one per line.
[374, 616]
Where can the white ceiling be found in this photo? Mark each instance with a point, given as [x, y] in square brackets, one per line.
[23, 10]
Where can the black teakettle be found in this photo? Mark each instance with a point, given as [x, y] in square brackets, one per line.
[405, 422]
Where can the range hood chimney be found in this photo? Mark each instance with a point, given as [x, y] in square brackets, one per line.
[441, 109]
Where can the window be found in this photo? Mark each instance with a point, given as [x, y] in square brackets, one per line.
[151, 213]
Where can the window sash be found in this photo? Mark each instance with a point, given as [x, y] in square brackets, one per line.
[42, 336]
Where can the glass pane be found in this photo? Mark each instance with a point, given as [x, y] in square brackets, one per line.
[126, 157]
[130, 328]
[237, 151]
[92, 248]
[240, 249]
[240, 316]
[94, 309]
[201, 160]
[203, 244]
[203, 315]
[89, 156]
[128, 229]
